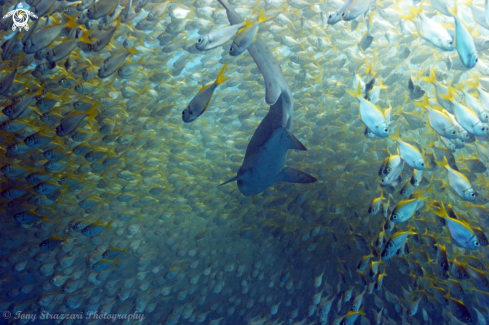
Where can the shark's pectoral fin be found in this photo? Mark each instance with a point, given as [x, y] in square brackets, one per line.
[292, 175]
[292, 141]
[234, 179]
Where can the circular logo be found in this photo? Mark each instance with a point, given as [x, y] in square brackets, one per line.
[20, 18]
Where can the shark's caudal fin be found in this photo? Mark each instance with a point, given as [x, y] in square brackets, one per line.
[292, 175]
[291, 141]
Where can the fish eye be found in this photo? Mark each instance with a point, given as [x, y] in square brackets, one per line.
[451, 42]
[472, 194]
[231, 49]
[343, 15]
[453, 132]
[476, 60]
[476, 243]
[330, 16]
[386, 130]
[199, 40]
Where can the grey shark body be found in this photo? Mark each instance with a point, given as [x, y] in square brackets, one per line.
[265, 156]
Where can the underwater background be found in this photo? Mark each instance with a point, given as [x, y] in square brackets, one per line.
[244, 162]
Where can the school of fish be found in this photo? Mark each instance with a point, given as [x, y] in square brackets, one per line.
[245, 162]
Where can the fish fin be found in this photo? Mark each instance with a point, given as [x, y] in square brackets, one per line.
[71, 23]
[292, 175]
[118, 22]
[409, 16]
[230, 180]
[246, 24]
[220, 78]
[396, 137]
[133, 50]
[369, 69]
[204, 88]
[473, 84]
[443, 163]
[449, 96]
[262, 18]
[431, 78]
[357, 92]
[293, 142]
[425, 103]
[86, 37]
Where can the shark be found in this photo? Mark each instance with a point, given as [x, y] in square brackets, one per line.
[266, 154]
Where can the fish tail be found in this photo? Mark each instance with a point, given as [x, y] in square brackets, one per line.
[410, 16]
[431, 78]
[262, 18]
[133, 50]
[220, 78]
[86, 37]
[369, 69]
[396, 137]
[415, 10]
[118, 22]
[439, 211]
[361, 312]
[357, 92]
[424, 103]
[449, 96]
[71, 21]
[41, 90]
[443, 163]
